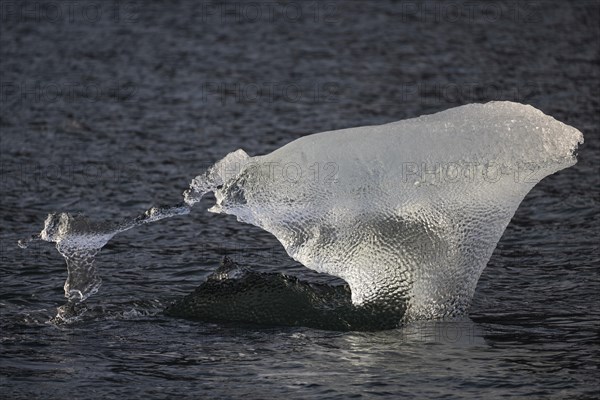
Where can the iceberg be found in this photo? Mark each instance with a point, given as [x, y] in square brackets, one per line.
[407, 213]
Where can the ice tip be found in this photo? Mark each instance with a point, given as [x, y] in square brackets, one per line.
[24, 243]
[191, 197]
[160, 212]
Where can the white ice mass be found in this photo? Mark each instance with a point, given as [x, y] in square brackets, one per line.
[407, 212]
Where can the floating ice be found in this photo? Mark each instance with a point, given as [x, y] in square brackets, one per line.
[406, 213]
[78, 240]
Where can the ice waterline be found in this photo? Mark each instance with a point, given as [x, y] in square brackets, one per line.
[79, 240]
[408, 213]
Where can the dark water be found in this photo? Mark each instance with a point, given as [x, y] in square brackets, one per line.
[111, 107]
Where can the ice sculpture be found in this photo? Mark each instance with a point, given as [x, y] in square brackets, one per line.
[407, 213]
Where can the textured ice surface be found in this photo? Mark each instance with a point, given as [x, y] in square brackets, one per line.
[78, 240]
[408, 212]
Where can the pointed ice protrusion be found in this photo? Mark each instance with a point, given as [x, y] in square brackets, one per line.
[78, 240]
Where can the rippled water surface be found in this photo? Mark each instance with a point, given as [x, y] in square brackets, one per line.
[109, 108]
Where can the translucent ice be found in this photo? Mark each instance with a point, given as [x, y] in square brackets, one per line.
[79, 240]
[408, 212]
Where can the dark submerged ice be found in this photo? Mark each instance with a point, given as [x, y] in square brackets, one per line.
[168, 103]
[235, 293]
